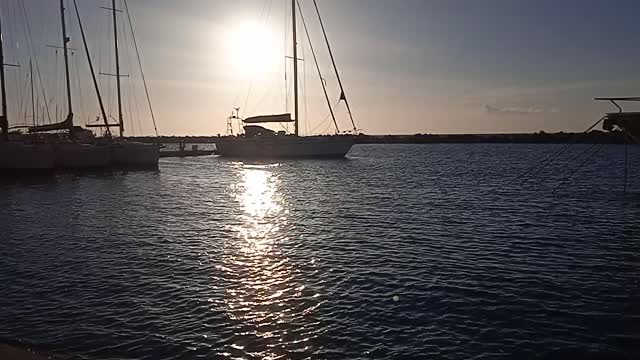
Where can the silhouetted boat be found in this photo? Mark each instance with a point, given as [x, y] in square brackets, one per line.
[260, 142]
[80, 148]
[16, 156]
[76, 150]
[124, 153]
[629, 122]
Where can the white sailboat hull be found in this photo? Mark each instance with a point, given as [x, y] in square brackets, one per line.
[81, 156]
[285, 147]
[17, 157]
[135, 155]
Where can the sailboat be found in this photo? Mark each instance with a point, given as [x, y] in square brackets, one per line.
[76, 150]
[629, 122]
[18, 157]
[81, 149]
[259, 142]
[125, 154]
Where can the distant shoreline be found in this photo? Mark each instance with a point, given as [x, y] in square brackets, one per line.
[599, 137]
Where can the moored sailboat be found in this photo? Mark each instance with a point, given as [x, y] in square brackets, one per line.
[126, 154]
[80, 148]
[629, 122]
[18, 157]
[259, 142]
[73, 151]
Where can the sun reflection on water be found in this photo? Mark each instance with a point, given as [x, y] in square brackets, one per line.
[262, 206]
[263, 295]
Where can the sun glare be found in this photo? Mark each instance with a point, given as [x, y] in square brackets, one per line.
[252, 48]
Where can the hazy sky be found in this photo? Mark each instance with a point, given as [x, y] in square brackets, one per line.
[409, 66]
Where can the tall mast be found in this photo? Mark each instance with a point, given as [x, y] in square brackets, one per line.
[4, 119]
[33, 104]
[65, 40]
[115, 41]
[295, 67]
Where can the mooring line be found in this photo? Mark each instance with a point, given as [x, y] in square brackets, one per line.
[577, 169]
[549, 159]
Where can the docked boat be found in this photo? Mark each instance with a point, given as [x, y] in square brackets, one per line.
[259, 142]
[129, 154]
[18, 157]
[124, 154]
[79, 148]
[73, 150]
[629, 122]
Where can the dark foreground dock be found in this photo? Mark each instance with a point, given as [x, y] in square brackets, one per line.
[11, 352]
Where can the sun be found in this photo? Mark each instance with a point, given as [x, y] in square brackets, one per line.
[252, 48]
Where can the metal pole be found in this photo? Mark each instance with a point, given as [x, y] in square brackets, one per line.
[295, 67]
[65, 40]
[33, 104]
[4, 118]
[115, 40]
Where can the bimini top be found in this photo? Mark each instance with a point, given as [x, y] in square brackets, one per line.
[280, 118]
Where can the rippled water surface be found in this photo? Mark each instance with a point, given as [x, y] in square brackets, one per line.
[400, 251]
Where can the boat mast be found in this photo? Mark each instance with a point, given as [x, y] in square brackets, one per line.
[33, 104]
[4, 119]
[65, 40]
[115, 41]
[295, 67]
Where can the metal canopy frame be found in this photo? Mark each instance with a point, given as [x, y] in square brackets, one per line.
[614, 99]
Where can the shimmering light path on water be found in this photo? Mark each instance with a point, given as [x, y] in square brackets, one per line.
[407, 251]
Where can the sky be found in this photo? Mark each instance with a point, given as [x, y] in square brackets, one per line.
[408, 66]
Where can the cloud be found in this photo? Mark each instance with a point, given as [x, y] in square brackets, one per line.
[517, 110]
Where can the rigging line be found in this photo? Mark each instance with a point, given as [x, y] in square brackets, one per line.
[286, 42]
[577, 169]
[110, 55]
[83, 105]
[553, 155]
[325, 118]
[35, 57]
[547, 161]
[15, 92]
[130, 108]
[246, 100]
[625, 163]
[91, 69]
[333, 61]
[75, 62]
[566, 164]
[22, 105]
[54, 83]
[562, 151]
[315, 59]
[304, 78]
[304, 90]
[125, 59]
[326, 129]
[268, 13]
[264, 15]
[144, 80]
[20, 90]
